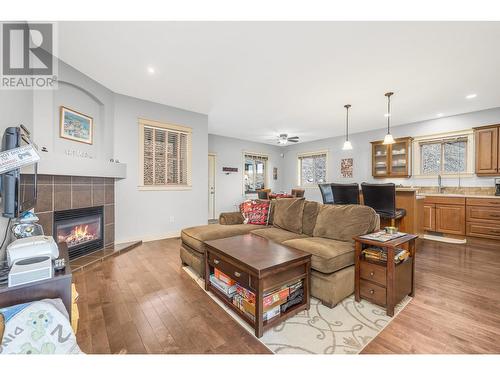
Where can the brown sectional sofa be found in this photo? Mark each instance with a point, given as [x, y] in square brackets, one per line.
[324, 231]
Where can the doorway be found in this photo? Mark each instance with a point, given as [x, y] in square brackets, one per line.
[211, 187]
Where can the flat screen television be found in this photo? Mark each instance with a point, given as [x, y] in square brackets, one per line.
[18, 187]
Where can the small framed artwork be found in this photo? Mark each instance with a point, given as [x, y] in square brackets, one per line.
[346, 168]
[275, 173]
[76, 126]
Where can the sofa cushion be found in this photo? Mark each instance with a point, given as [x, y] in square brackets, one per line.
[231, 218]
[276, 234]
[195, 236]
[343, 222]
[288, 214]
[311, 210]
[327, 255]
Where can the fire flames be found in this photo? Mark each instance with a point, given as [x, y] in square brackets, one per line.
[79, 234]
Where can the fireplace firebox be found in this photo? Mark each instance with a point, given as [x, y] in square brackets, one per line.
[82, 229]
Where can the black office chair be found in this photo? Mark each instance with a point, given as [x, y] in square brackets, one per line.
[326, 193]
[345, 193]
[382, 198]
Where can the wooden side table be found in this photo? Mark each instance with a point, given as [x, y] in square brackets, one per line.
[385, 283]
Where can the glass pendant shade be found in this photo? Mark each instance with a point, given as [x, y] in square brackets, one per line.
[388, 139]
[347, 145]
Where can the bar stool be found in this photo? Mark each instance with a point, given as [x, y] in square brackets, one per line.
[382, 198]
[345, 193]
[326, 193]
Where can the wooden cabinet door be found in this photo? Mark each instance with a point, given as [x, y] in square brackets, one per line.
[430, 217]
[487, 150]
[450, 219]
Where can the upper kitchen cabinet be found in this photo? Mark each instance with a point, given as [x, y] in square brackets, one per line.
[487, 150]
[392, 160]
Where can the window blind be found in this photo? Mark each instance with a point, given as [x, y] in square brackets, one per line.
[165, 160]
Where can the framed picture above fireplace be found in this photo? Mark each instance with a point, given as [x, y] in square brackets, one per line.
[76, 126]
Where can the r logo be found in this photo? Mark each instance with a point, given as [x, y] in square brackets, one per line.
[27, 49]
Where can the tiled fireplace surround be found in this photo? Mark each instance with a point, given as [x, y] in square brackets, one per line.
[56, 193]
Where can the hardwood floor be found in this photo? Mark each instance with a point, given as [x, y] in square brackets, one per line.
[142, 302]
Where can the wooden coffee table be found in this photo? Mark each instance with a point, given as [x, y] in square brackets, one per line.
[259, 265]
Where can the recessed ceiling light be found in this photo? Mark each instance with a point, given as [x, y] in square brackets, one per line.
[439, 115]
[471, 96]
[151, 70]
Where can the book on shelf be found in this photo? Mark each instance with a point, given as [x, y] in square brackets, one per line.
[228, 290]
[378, 254]
[223, 277]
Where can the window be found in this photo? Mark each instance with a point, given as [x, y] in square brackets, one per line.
[312, 168]
[449, 155]
[165, 152]
[255, 169]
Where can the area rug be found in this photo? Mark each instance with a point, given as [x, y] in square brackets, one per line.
[345, 329]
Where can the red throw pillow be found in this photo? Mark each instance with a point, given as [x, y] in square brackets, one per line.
[255, 212]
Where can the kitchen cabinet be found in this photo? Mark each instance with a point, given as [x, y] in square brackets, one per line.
[392, 160]
[444, 214]
[483, 218]
[487, 150]
[430, 217]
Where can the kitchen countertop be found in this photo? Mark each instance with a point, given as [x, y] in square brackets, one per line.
[458, 195]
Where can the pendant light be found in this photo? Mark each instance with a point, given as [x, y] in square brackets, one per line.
[388, 139]
[347, 143]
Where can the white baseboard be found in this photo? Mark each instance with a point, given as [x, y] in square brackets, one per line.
[150, 238]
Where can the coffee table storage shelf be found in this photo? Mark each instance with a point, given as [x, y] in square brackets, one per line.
[385, 283]
[260, 268]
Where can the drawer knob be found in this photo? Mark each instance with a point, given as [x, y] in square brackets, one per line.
[237, 274]
[372, 291]
[216, 261]
[372, 273]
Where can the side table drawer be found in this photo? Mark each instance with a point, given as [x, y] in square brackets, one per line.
[229, 269]
[373, 292]
[373, 272]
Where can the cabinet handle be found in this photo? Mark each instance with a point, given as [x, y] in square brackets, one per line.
[216, 261]
[372, 291]
[372, 273]
[237, 274]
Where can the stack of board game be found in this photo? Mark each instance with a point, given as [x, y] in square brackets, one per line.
[223, 283]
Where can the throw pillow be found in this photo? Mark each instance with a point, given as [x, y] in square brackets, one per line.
[255, 211]
[288, 214]
[343, 222]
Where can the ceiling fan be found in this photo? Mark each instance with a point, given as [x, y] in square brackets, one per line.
[283, 139]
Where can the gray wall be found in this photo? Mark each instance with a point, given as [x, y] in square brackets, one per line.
[157, 214]
[361, 152]
[16, 107]
[229, 153]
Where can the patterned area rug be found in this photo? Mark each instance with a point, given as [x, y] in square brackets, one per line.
[345, 329]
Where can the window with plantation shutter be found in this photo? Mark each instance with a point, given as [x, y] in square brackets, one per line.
[165, 152]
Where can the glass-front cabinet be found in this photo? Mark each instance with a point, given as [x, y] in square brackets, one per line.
[391, 160]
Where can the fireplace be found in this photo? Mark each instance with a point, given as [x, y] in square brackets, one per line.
[82, 229]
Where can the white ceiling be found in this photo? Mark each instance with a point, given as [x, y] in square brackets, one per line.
[258, 79]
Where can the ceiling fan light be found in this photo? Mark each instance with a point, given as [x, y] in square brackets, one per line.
[282, 141]
[388, 139]
[347, 146]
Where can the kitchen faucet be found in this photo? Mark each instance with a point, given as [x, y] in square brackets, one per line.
[439, 184]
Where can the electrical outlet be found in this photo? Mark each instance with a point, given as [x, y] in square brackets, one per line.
[172, 219]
